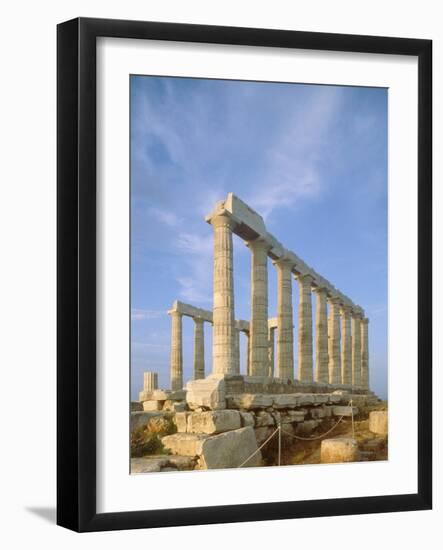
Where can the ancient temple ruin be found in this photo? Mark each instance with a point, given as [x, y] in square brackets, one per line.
[341, 338]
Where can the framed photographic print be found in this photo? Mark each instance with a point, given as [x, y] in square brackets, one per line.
[244, 274]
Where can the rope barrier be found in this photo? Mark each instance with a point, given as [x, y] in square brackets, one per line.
[259, 449]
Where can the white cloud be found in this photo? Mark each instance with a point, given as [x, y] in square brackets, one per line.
[168, 217]
[144, 314]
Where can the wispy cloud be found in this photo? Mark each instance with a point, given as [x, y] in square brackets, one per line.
[196, 250]
[166, 216]
[144, 314]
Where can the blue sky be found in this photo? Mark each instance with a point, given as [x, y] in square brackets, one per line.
[312, 160]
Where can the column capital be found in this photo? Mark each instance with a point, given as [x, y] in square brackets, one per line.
[260, 243]
[365, 320]
[320, 290]
[174, 312]
[356, 314]
[306, 278]
[345, 310]
[222, 218]
[198, 320]
[336, 300]
[284, 263]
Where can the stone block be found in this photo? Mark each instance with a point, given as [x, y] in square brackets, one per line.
[174, 406]
[152, 405]
[144, 395]
[136, 406]
[208, 392]
[261, 434]
[147, 465]
[292, 416]
[337, 398]
[263, 418]
[321, 398]
[184, 444]
[342, 449]
[285, 401]
[306, 399]
[306, 427]
[181, 421]
[230, 450]
[250, 401]
[378, 422]
[247, 419]
[177, 395]
[344, 411]
[317, 413]
[160, 395]
[213, 422]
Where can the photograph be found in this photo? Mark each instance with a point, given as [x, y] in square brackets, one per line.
[258, 274]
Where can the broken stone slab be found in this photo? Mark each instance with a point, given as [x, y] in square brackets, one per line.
[208, 392]
[152, 405]
[184, 444]
[340, 449]
[285, 401]
[344, 410]
[230, 450]
[174, 406]
[181, 421]
[378, 422]
[247, 419]
[147, 465]
[250, 401]
[141, 418]
[213, 422]
[136, 406]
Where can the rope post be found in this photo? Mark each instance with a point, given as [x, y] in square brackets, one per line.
[279, 443]
[352, 419]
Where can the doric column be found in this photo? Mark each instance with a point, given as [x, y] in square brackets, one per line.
[285, 337]
[271, 351]
[321, 337]
[223, 338]
[258, 360]
[150, 381]
[346, 350]
[305, 359]
[356, 349]
[334, 341]
[176, 350]
[364, 353]
[199, 349]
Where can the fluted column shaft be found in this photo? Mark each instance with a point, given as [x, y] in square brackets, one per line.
[346, 350]
[334, 342]
[248, 353]
[199, 349]
[259, 308]
[285, 337]
[223, 340]
[356, 350]
[176, 351]
[237, 351]
[364, 353]
[321, 337]
[150, 381]
[271, 351]
[305, 358]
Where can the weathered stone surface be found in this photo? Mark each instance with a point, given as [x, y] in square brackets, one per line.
[292, 416]
[230, 450]
[147, 465]
[160, 395]
[177, 395]
[136, 406]
[250, 401]
[152, 405]
[184, 444]
[209, 392]
[139, 418]
[343, 449]
[263, 418]
[317, 413]
[174, 406]
[321, 398]
[212, 422]
[261, 434]
[306, 427]
[344, 411]
[337, 398]
[144, 395]
[181, 421]
[285, 401]
[378, 422]
[182, 462]
[247, 419]
[306, 399]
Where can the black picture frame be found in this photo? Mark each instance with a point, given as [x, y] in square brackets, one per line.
[76, 279]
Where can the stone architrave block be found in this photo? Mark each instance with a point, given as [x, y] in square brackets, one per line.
[247, 419]
[213, 422]
[285, 401]
[184, 444]
[208, 392]
[181, 421]
[152, 405]
[230, 450]
[344, 411]
[343, 449]
[378, 422]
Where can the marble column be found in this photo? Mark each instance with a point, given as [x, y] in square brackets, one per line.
[237, 351]
[224, 336]
[285, 337]
[305, 359]
[150, 381]
[346, 350]
[356, 349]
[364, 353]
[248, 353]
[199, 349]
[321, 337]
[334, 341]
[271, 351]
[258, 327]
[176, 351]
